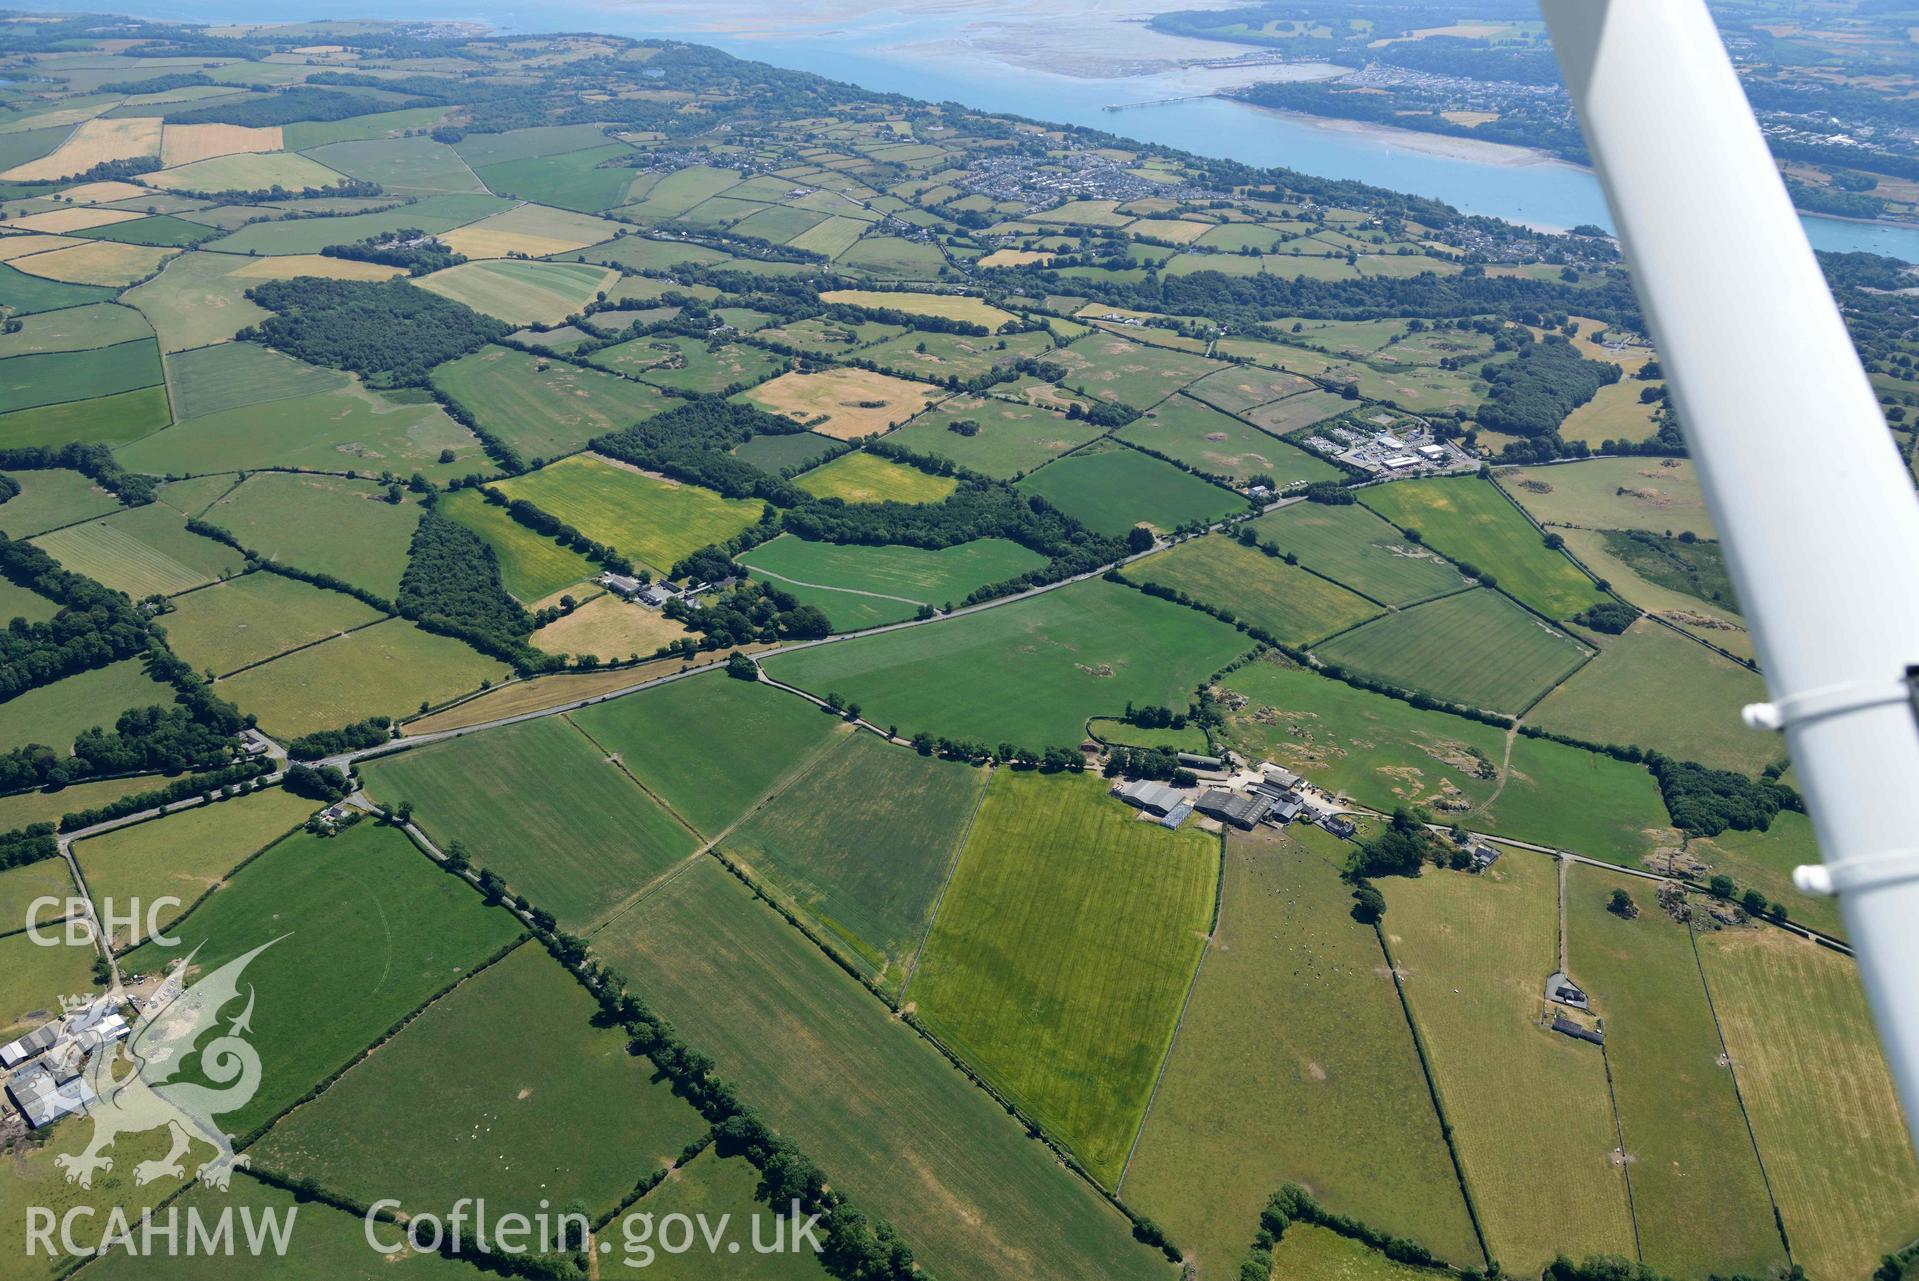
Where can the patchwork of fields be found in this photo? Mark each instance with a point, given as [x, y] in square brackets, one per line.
[620, 875]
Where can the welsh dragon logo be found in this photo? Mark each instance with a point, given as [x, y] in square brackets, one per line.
[136, 1089]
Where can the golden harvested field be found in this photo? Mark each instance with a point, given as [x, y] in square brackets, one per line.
[101, 193]
[287, 266]
[1176, 231]
[945, 306]
[855, 402]
[55, 221]
[610, 628]
[184, 144]
[12, 247]
[94, 142]
[532, 230]
[98, 262]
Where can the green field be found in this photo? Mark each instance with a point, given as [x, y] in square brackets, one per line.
[711, 747]
[896, 1128]
[1764, 861]
[1818, 1094]
[482, 149]
[1108, 367]
[1351, 545]
[678, 192]
[198, 299]
[108, 420]
[1582, 801]
[1030, 672]
[942, 356]
[142, 551]
[867, 868]
[1012, 439]
[537, 803]
[902, 576]
[1717, 624]
[254, 617]
[540, 407]
[685, 363]
[569, 1116]
[520, 293]
[1654, 687]
[1472, 522]
[164, 231]
[23, 294]
[861, 477]
[1292, 1008]
[1385, 753]
[795, 450]
[388, 669]
[182, 856]
[652, 520]
[1476, 649]
[366, 929]
[246, 171]
[75, 329]
[212, 380]
[324, 525]
[1062, 952]
[22, 808]
[416, 166]
[570, 179]
[352, 429]
[1108, 729]
[1220, 445]
[22, 602]
[892, 258]
[1659, 495]
[644, 254]
[34, 978]
[1308, 1252]
[55, 377]
[305, 135]
[1111, 489]
[50, 498]
[822, 337]
[1699, 1195]
[1263, 591]
[54, 714]
[1245, 387]
[716, 1186]
[1529, 1108]
[23, 887]
[532, 566]
[192, 497]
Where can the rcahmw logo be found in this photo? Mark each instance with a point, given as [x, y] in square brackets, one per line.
[127, 1081]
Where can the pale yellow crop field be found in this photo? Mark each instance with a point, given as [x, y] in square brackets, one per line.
[533, 230]
[102, 193]
[12, 247]
[960, 307]
[97, 262]
[855, 402]
[287, 266]
[184, 144]
[55, 221]
[94, 142]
